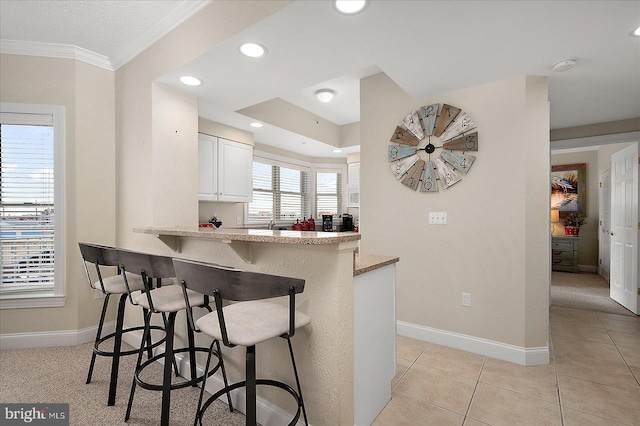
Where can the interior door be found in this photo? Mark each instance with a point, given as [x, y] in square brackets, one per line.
[604, 246]
[624, 227]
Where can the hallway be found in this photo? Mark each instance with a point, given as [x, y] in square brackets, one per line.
[593, 379]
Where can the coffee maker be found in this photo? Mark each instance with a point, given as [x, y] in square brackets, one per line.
[347, 222]
[327, 222]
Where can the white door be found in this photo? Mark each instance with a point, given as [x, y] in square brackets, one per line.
[604, 246]
[624, 227]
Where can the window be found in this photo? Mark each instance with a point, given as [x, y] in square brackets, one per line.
[280, 192]
[328, 193]
[31, 200]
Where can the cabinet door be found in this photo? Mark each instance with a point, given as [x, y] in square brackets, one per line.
[354, 174]
[235, 174]
[207, 168]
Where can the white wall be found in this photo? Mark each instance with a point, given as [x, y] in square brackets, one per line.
[496, 243]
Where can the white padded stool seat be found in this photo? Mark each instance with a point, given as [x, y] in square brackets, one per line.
[170, 299]
[116, 285]
[249, 323]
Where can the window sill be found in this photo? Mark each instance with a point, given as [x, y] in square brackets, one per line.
[35, 300]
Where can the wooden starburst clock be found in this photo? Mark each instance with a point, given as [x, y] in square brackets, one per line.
[428, 129]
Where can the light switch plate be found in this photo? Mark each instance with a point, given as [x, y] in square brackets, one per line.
[437, 218]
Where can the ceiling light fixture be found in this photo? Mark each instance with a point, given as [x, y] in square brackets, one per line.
[337, 151]
[349, 7]
[256, 124]
[635, 33]
[190, 80]
[325, 95]
[563, 65]
[252, 50]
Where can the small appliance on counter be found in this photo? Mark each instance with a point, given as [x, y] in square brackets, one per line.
[327, 222]
[215, 221]
[347, 222]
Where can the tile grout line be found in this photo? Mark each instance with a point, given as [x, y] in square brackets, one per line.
[619, 352]
[557, 379]
[466, 414]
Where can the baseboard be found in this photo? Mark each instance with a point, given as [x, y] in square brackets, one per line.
[490, 348]
[267, 414]
[53, 338]
[587, 268]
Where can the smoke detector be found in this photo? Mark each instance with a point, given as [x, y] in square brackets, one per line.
[563, 65]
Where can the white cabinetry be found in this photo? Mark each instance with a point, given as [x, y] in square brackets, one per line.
[225, 170]
[353, 187]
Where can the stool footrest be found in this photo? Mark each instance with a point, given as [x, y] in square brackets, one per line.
[180, 385]
[101, 352]
[263, 382]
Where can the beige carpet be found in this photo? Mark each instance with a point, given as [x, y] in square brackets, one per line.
[584, 291]
[57, 375]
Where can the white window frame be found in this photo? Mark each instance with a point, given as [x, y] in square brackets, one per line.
[56, 296]
[311, 168]
[331, 168]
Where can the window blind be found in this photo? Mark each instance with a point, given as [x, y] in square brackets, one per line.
[328, 193]
[279, 192]
[26, 202]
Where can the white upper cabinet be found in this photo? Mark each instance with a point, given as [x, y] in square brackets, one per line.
[353, 187]
[354, 174]
[225, 170]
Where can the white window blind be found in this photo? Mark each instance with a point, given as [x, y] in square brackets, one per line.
[328, 193]
[27, 202]
[279, 192]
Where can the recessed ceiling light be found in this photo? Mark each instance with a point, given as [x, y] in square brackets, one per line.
[563, 65]
[349, 7]
[256, 124]
[635, 33]
[253, 50]
[190, 81]
[325, 95]
[337, 150]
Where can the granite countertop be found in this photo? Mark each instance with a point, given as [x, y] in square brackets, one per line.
[252, 235]
[364, 263]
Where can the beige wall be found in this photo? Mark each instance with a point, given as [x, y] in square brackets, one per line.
[87, 93]
[496, 243]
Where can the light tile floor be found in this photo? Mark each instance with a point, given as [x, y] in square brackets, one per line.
[593, 379]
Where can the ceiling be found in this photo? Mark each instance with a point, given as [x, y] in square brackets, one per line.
[426, 47]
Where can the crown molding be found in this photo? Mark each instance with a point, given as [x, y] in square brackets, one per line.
[53, 50]
[161, 28]
[181, 13]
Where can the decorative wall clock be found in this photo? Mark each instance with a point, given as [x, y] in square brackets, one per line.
[455, 131]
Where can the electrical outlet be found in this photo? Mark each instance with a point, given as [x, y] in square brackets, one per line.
[437, 218]
[238, 220]
[466, 299]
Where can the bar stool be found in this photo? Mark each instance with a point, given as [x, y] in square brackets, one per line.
[104, 256]
[250, 321]
[165, 300]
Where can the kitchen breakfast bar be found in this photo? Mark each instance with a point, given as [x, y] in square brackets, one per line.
[346, 356]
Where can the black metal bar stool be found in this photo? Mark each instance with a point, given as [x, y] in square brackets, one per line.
[165, 300]
[250, 321]
[104, 256]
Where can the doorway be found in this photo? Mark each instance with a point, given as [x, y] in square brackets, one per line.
[589, 288]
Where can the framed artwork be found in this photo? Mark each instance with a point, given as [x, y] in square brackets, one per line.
[568, 187]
